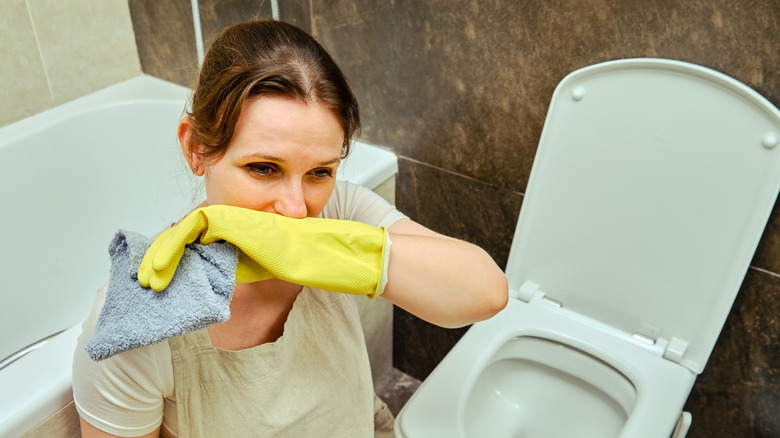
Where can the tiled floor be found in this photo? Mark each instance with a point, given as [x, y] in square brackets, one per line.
[396, 389]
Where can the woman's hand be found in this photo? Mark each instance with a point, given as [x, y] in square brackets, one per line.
[445, 281]
[335, 255]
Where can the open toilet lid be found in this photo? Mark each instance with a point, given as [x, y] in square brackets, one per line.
[650, 190]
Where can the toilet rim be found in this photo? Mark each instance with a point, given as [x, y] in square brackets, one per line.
[639, 366]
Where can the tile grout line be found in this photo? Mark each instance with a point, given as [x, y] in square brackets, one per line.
[765, 271]
[40, 52]
[451, 172]
[312, 22]
[756, 268]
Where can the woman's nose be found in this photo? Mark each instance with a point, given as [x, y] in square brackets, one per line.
[290, 202]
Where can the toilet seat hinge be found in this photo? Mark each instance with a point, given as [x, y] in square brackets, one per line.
[675, 349]
[526, 291]
[530, 291]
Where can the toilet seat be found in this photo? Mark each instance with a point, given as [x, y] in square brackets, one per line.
[649, 192]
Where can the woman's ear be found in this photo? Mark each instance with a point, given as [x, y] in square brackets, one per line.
[188, 147]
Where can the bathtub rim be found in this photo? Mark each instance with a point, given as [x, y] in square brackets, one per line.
[379, 163]
[142, 87]
[31, 401]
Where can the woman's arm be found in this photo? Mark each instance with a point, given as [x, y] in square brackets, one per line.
[447, 282]
[90, 431]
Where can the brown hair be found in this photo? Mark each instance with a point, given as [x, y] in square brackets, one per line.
[265, 58]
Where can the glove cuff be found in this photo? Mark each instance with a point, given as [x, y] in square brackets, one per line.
[385, 263]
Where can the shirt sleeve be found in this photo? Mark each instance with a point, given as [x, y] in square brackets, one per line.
[123, 394]
[357, 203]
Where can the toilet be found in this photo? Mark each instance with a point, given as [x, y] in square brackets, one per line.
[649, 192]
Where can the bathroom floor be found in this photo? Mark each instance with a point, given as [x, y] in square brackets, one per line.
[396, 389]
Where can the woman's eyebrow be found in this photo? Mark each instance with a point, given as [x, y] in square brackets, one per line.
[271, 158]
[336, 160]
[262, 157]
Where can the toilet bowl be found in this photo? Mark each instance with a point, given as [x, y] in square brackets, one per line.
[531, 382]
[650, 190]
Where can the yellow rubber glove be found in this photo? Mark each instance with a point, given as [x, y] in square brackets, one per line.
[334, 255]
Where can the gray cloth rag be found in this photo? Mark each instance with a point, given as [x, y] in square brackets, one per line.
[133, 316]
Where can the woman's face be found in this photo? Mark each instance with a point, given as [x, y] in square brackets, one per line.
[282, 159]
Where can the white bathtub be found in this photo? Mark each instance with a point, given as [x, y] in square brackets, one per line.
[69, 178]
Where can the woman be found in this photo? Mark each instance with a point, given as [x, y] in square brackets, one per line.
[271, 118]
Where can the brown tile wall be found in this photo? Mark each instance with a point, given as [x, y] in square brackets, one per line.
[165, 34]
[165, 37]
[460, 90]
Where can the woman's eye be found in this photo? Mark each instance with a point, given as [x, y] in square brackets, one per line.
[261, 169]
[323, 173]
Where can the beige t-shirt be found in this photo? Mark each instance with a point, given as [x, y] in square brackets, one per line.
[132, 393]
